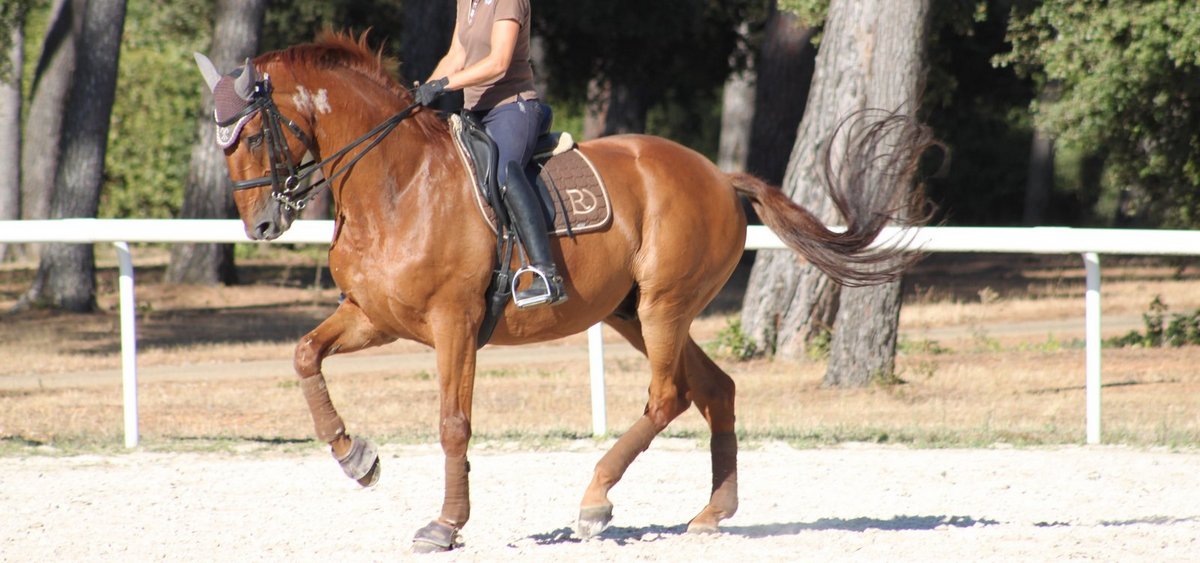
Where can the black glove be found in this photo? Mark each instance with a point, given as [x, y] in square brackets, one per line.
[426, 93]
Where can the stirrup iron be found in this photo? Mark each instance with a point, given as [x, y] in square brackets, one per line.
[553, 293]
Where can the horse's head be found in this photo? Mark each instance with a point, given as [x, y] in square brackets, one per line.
[261, 155]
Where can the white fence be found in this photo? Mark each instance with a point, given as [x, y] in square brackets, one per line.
[1089, 243]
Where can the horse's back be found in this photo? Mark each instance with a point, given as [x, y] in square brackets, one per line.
[682, 210]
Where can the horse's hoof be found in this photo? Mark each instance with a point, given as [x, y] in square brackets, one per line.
[593, 520]
[435, 537]
[372, 475]
[705, 523]
[361, 463]
[698, 527]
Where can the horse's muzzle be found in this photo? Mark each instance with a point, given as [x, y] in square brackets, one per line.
[272, 222]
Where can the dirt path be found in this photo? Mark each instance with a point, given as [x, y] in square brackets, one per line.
[343, 364]
[862, 503]
[373, 362]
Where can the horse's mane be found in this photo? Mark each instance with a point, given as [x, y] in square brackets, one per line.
[340, 50]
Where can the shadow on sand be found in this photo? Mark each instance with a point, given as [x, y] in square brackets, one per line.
[623, 535]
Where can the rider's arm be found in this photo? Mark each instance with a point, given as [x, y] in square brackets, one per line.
[491, 67]
[454, 60]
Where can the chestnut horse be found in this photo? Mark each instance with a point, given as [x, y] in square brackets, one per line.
[414, 263]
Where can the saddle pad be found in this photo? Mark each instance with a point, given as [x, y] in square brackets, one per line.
[576, 193]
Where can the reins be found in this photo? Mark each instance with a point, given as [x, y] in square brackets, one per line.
[290, 192]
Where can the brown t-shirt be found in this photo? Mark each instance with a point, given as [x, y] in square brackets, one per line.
[475, 20]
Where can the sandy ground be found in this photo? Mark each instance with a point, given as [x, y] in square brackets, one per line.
[853, 503]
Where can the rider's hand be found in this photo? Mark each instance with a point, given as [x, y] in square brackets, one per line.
[426, 93]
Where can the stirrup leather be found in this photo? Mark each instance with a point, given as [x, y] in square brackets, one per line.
[553, 294]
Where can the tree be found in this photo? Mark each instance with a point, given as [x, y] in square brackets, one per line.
[1128, 78]
[872, 55]
[66, 276]
[623, 56]
[236, 31]
[12, 61]
[737, 111]
[785, 68]
[980, 110]
[50, 87]
[155, 111]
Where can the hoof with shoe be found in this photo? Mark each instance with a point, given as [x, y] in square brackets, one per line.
[593, 520]
[707, 522]
[361, 463]
[435, 537]
[699, 527]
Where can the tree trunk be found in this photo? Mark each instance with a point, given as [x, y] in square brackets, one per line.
[863, 348]
[10, 129]
[737, 113]
[208, 194]
[66, 276]
[871, 56]
[1041, 178]
[614, 108]
[43, 124]
[785, 70]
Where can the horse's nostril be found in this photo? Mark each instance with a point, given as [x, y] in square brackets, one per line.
[265, 231]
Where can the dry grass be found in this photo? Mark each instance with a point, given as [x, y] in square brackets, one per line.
[968, 379]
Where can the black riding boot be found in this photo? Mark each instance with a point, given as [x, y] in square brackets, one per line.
[527, 219]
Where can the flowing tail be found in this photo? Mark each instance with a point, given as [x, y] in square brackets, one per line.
[869, 188]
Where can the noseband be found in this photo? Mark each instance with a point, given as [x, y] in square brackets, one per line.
[286, 178]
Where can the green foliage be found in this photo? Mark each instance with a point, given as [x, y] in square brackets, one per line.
[12, 14]
[810, 12]
[981, 112]
[888, 378]
[289, 22]
[155, 111]
[819, 345]
[733, 343]
[1127, 78]
[1180, 330]
[677, 52]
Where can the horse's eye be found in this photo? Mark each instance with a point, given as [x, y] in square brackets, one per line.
[254, 140]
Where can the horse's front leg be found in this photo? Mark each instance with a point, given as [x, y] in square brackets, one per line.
[347, 330]
[454, 340]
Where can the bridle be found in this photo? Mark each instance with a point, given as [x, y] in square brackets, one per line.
[286, 178]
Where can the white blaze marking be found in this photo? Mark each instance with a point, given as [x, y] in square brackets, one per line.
[306, 101]
[321, 100]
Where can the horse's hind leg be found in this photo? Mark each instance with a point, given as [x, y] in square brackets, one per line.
[712, 391]
[347, 330]
[662, 344]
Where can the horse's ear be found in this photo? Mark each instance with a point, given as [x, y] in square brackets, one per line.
[244, 84]
[208, 69]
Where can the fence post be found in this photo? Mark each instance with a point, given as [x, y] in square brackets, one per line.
[128, 344]
[1091, 262]
[596, 367]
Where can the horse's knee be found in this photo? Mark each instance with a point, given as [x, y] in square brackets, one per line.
[455, 433]
[307, 358]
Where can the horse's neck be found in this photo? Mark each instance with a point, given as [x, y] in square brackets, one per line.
[408, 157]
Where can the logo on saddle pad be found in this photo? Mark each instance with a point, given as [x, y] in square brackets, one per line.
[583, 201]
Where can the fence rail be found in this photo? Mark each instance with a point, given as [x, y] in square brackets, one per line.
[1089, 243]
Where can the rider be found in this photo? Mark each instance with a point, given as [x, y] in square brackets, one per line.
[489, 60]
